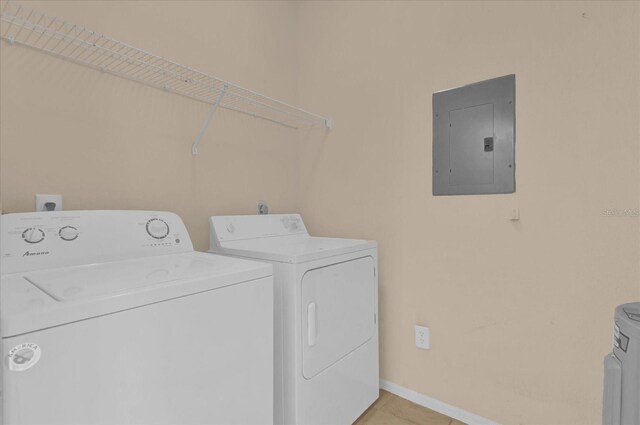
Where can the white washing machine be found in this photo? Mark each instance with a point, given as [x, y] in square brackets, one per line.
[326, 326]
[110, 317]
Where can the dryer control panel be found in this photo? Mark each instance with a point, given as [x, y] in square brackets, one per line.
[241, 227]
[34, 241]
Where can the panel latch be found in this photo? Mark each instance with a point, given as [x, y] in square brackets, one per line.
[488, 144]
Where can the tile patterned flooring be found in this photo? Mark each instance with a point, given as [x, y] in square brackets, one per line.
[390, 409]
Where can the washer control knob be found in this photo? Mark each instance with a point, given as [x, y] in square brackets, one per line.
[33, 235]
[68, 233]
[157, 228]
[231, 228]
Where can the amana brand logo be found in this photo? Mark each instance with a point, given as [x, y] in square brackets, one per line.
[31, 254]
[24, 356]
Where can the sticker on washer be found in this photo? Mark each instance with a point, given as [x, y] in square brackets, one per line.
[24, 356]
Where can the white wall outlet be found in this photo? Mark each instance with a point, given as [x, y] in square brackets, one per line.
[46, 202]
[423, 339]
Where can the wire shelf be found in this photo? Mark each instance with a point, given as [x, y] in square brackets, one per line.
[73, 42]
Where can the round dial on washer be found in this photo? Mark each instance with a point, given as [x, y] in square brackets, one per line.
[33, 235]
[68, 233]
[157, 228]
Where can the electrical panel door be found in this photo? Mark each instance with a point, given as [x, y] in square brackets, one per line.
[474, 138]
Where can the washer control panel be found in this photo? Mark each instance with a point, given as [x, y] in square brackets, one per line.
[32, 241]
[37, 234]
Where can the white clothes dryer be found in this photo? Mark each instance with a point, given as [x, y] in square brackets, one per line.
[326, 315]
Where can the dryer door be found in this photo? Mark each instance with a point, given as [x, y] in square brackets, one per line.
[338, 312]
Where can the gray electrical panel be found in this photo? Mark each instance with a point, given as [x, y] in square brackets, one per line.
[474, 138]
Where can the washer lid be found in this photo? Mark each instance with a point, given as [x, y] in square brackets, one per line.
[43, 299]
[292, 249]
[119, 278]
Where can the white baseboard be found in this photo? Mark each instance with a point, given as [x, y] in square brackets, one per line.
[435, 405]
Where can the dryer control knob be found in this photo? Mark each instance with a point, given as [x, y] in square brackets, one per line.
[33, 235]
[68, 233]
[231, 228]
[157, 228]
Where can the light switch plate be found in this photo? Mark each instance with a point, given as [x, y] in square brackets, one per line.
[42, 200]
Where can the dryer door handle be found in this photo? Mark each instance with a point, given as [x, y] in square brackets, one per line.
[312, 330]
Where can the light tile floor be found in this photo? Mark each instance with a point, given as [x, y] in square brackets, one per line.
[393, 410]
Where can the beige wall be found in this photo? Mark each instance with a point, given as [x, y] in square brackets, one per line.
[105, 142]
[520, 312]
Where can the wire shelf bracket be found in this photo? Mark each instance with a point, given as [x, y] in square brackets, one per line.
[196, 142]
[75, 43]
